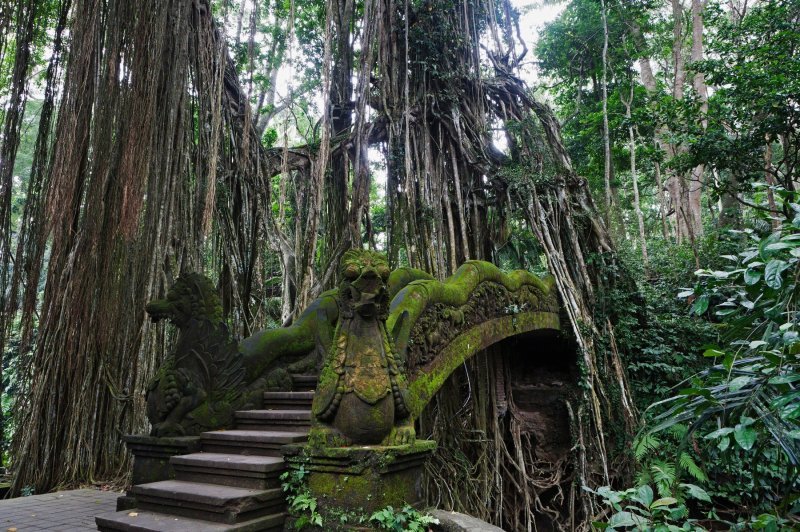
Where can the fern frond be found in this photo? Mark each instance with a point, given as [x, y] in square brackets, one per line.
[688, 464]
[664, 477]
[679, 431]
[643, 477]
[648, 442]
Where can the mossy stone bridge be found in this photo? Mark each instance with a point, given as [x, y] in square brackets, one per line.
[337, 394]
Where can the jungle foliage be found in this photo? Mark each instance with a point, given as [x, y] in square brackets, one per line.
[716, 365]
[258, 140]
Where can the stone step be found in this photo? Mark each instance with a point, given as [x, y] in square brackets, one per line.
[249, 442]
[291, 420]
[220, 504]
[236, 470]
[288, 400]
[304, 383]
[144, 521]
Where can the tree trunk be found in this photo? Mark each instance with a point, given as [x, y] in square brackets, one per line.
[634, 176]
[696, 185]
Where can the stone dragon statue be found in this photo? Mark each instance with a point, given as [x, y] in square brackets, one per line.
[200, 383]
[209, 375]
[375, 341]
[362, 392]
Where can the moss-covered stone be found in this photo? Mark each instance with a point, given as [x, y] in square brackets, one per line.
[428, 381]
[362, 479]
[361, 394]
[443, 322]
[456, 290]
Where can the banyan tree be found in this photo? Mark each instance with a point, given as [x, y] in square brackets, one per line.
[154, 165]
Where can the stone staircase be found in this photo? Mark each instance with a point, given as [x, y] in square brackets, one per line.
[233, 484]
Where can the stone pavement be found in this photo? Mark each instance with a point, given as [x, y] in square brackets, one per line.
[64, 511]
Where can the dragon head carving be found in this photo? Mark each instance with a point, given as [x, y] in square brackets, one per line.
[361, 396]
[363, 288]
[193, 296]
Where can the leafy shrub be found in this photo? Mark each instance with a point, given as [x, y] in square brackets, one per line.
[638, 509]
[302, 504]
[406, 519]
[743, 412]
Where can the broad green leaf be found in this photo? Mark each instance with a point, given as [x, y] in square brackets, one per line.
[747, 256]
[644, 495]
[773, 271]
[621, 519]
[719, 433]
[745, 436]
[739, 382]
[696, 492]
[723, 444]
[607, 493]
[763, 244]
[777, 246]
[700, 305]
[664, 501]
[784, 379]
[751, 276]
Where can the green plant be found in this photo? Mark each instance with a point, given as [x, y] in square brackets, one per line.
[664, 461]
[302, 504]
[406, 519]
[638, 509]
[743, 412]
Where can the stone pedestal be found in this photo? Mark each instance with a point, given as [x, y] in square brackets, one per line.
[362, 479]
[151, 460]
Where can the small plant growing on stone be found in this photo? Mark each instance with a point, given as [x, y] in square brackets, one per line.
[302, 505]
[405, 520]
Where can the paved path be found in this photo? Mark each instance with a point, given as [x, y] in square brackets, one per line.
[65, 511]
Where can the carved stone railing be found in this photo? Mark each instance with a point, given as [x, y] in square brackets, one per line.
[439, 325]
[383, 343]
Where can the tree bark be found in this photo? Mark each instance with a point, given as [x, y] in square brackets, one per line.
[635, 177]
[696, 184]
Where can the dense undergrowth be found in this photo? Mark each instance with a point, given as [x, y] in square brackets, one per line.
[716, 376]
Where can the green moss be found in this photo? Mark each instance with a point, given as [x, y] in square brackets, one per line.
[456, 289]
[317, 321]
[360, 479]
[425, 385]
[401, 277]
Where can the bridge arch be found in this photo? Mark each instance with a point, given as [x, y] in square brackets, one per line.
[439, 325]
